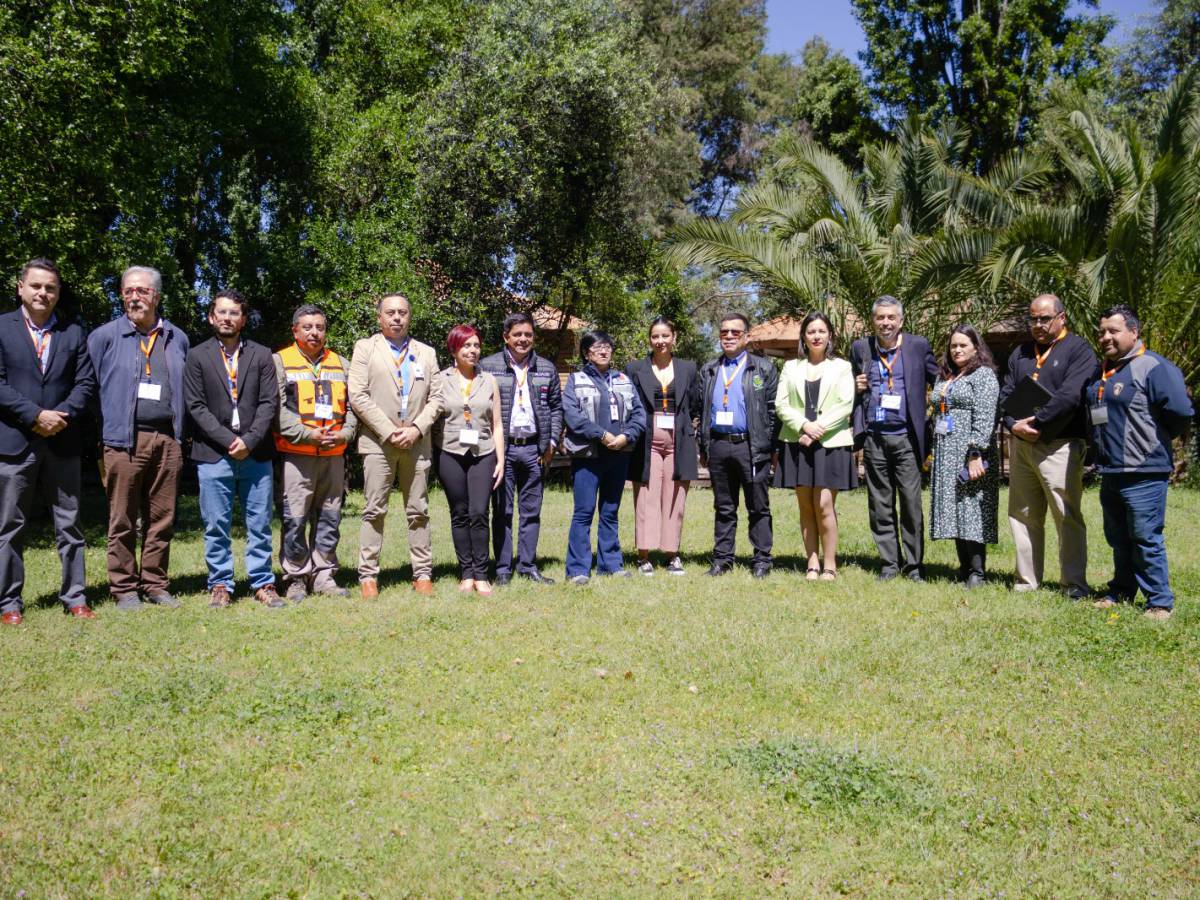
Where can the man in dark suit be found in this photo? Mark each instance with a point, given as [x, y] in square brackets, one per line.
[232, 395]
[46, 382]
[892, 372]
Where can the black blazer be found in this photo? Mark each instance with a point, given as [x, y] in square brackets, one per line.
[920, 372]
[210, 409]
[68, 384]
[687, 407]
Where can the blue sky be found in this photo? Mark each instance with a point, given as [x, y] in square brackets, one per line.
[792, 22]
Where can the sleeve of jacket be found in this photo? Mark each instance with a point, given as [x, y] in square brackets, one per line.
[436, 404]
[695, 398]
[635, 426]
[84, 389]
[1169, 399]
[350, 426]
[1007, 386]
[931, 365]
[554, 400]
[288, 423]
[983, 415]
[786, 413]
[704, 389]
[839, 402]
[13, 401]
[576, 421]
[196, 403]
[1080, 365]
[268, 402]
[770, 387]
[359, 389]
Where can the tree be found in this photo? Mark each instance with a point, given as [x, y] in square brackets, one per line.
[1155, 55]
[985, 61]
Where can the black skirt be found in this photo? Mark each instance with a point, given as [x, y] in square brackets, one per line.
[816, 466]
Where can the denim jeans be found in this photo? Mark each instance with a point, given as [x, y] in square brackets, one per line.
[603, 477]
[1135, 511]
[251, 481]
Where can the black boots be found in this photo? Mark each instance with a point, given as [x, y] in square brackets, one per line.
[972, 557]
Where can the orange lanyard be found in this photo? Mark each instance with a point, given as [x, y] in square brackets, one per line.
[466, 395]
[1109, 373]
[521, 382]
[946, 392]
[398, 356]
[40, 340]
[665, 383]
[232, 371]
[728, 381]
[888, 363]
[1041, 357]
[147, 349]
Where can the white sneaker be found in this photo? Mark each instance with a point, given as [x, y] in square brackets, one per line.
[675, 567]
[646, 568]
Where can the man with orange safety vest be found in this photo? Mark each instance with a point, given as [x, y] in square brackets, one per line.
[314, 426]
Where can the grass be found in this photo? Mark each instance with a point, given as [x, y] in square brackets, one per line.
[650, 736]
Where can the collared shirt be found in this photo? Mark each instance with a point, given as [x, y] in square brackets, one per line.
[889, 420]
[40, 337]
[403, 361]
[522, 400]
[732, 370]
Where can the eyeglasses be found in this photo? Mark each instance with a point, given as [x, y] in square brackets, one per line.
[1043, 320]
[600, 348]
[137, 292]
[732, 332]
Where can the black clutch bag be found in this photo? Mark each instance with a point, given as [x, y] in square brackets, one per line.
[964, 474]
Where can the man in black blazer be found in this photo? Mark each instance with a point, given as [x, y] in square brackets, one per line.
[46, 382]
[232, 394]
[893, 370]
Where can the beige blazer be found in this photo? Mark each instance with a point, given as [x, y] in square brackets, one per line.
[484, 403]
[375, 396]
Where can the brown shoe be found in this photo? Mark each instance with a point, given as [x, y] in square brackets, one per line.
[268, 597]
[1157, 612]
[220, 597]
[370, 589]
[12, 618]
[424, 587]
[82, 611]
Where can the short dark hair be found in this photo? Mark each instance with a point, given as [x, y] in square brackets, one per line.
[512, 320]
[231, 294]
[1132, 322]
[40, 262]
[308, 309]
[661, 320]
[730, 316]
[389, 296]
[817, 316]
[983, 355]
[591, 339]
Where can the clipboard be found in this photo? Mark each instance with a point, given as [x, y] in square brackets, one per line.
[1026, 399]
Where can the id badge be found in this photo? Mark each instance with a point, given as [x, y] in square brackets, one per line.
[1098, 414]
[613, 413]
[149, 390]
[665, 421]
[403, 408]
[521, 417]
[469, 437]
[724, 417]
[416, 371]
[323, 402]
[235, 421]
[889, 401]
[945, 425]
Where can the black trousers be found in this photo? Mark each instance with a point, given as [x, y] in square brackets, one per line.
[972, 557]
[731, 471]
[467, 481]
[894, 472]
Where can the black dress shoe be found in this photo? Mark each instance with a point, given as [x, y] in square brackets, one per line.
[915, 576]
[974, 580]
[536, 577]
[716, 570]
[762, 570]
[886, 576]
[502, 580]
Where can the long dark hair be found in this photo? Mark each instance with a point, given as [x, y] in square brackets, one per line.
[983, 356]
[818, 316]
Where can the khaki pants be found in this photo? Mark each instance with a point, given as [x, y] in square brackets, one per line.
[380, 472]
[141, 483]
[313, 487]
[1045, 475]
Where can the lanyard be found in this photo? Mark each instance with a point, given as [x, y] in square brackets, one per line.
[1109, 373]
[1042, 357]
[946, 391]
[887, 364]
[665, 377]
[521, 377]
[466, 395]
[316, 366]
[40, 340]
[147, 349]
[232, 371]
[728, 381]
[399, 355]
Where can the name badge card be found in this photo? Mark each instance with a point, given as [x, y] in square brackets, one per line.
[235, 421]
[889, 401]
[724, 417]
[665, 421]
[945, 425]
[521, 417]
[149, 390]
[1098, 414]
[323, 402]
[469, 437]
[417, 371]
[613, 413]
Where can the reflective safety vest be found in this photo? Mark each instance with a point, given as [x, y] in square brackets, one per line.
[306, 387]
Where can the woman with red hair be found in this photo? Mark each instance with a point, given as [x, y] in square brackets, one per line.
[470, 461]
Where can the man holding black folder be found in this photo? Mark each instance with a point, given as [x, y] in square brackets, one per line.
[1042, 401]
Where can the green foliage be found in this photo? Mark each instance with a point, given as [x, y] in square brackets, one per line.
[1154, 56]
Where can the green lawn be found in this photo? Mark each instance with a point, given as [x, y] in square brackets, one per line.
[645, 736]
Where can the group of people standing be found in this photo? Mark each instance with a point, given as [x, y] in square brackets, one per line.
[492, 425]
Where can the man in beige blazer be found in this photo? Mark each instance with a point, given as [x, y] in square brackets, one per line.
[390, 377]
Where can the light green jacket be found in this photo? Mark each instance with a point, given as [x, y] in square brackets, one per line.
[836, 401]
